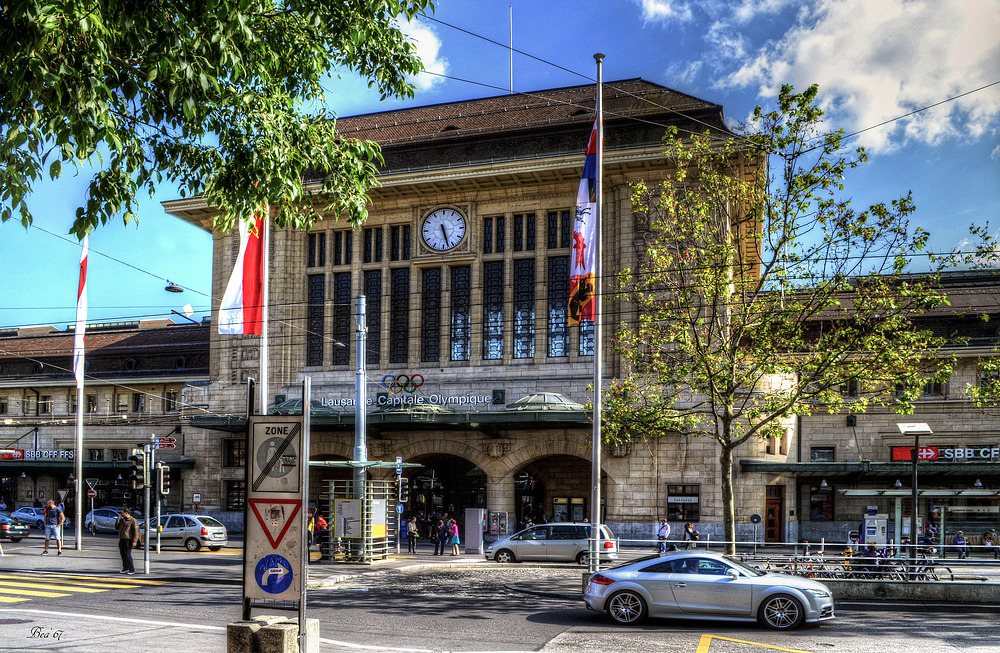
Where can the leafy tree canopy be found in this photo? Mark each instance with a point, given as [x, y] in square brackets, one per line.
[223, 98]
[762, 293]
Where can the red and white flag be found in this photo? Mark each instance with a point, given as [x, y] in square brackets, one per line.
[582, 282]
[81, 318]
[241, 309]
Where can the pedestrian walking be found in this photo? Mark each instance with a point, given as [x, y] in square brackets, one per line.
[690, 535]
[440, 535]
[453, 538]
[412, 533]
[128, 537]
[54, 518]
[662, 534]
[992, 545]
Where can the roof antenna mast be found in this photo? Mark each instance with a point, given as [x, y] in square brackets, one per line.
[511, 14]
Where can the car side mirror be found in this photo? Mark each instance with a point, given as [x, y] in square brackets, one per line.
[732, 573]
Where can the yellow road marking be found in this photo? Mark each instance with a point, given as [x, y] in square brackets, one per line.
[706, 641]
[87, 583]
[9, 590]
[65, 588]
[11, 599]
[104, 579]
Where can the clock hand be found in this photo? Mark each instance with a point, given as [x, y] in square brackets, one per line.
[445, 233]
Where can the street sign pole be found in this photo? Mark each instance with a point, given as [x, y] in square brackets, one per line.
[145, 512]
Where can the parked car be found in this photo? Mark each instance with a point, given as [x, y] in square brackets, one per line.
[565, 541]
[102, 519]
[34, 517]
[12, 529]
[190, 531]
[704, 585]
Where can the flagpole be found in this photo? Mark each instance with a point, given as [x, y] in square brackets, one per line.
[79, 369]
[265, 283]
[595, 466]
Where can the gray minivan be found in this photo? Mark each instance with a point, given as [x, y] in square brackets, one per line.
[558, 541]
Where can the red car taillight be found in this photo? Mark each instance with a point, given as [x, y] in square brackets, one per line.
[5, 527]
[600, 580]
[609, 544]
[204, 531]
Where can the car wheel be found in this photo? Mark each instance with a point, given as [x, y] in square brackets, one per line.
[38, 524]
[192, 544]
[781, 612]
[583, 558]
[627, 607]
[215, 548]
[503, 555]
[15, 539]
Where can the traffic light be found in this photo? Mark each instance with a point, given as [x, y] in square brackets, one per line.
[396, 487]
[404, 490]
[138, 472]
[164, 479]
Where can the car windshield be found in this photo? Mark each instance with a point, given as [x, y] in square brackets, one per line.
[745, 567]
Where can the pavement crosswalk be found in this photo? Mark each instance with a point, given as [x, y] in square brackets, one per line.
[17, 587]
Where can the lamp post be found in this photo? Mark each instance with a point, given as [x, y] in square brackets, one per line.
[914, 429]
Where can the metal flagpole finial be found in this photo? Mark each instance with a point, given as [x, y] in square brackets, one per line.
[599, 57]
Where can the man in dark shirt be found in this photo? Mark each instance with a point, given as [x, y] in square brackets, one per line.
[54, 519]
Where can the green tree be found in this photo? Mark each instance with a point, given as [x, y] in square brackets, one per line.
[223, 98]
[761, 294]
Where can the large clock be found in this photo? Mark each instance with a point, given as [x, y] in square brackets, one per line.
[443, 229]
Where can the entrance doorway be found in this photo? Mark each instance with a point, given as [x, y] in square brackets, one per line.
[446, 484]
[773, 510]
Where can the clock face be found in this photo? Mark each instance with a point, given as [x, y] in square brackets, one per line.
[443, 229]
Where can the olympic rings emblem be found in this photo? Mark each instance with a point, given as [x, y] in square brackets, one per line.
[401, 383]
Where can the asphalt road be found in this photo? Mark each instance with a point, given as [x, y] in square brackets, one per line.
[441, 609]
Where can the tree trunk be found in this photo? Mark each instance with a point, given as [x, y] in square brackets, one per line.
[728, 500]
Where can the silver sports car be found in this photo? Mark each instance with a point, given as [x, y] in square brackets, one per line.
[702, 585]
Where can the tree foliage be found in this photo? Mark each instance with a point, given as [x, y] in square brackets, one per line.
[762, 294]
[222, 97]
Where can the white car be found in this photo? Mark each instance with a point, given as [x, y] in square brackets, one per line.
[558, 541]
[190, 531]
[703, 585]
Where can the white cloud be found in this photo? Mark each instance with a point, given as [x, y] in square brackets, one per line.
[661, 11]
[429, 50]
[748, 10]
[878, 60]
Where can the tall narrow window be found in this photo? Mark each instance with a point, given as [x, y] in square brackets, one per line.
[317, 250]
[518, 233]
[314, 319]
[487, 235]
[373, 299]
[341, 318]
[501, 233]
[461, 312]
[558, 329]
[493, 287]
[170, 401]
[399, 245]
[343, 247]
[373, 245]
[430, 317]
[524, 232]
[529, 232]
[586, 347]
[524, 308]
[399, 331]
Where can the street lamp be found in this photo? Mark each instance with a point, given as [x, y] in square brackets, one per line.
[915, 429]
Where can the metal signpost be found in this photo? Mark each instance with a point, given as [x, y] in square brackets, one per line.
[276, 550]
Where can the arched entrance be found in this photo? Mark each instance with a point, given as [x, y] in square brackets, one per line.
[553, 488]
[445, 484]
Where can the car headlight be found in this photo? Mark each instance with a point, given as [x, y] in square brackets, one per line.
[820, 594]
[489, 548]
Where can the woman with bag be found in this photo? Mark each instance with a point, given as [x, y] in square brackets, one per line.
[454, 540]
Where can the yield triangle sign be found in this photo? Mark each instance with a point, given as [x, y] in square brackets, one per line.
[275, 516]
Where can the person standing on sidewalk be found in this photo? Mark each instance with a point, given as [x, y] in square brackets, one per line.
[439, 533]
[128, 537]
[412, 533]
[453, 538]
[54, 519]
[663, 534]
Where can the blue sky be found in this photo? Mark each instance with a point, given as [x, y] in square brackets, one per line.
[874, 61]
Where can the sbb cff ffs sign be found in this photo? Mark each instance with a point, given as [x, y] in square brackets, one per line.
[947, 454]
